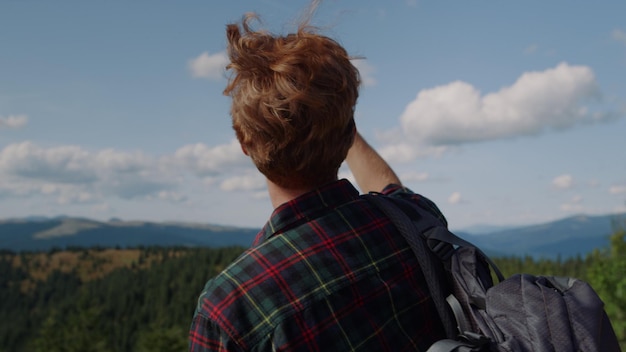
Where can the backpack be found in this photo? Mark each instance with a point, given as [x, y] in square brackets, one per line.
[521, 313]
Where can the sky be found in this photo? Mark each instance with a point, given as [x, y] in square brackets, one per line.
[503, 113]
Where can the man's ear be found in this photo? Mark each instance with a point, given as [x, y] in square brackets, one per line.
[243, 149]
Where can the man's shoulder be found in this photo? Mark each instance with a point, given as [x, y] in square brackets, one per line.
[418, 200]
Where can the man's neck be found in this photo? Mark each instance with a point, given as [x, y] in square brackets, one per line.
[280, 195]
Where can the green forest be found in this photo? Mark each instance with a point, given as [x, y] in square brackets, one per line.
[142, 299]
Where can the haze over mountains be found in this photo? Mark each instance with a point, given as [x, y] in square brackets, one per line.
[576, 235]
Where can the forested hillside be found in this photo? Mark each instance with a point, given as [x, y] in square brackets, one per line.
[103, 299]
[143, 299]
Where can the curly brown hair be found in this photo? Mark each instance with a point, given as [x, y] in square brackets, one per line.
[293, 100]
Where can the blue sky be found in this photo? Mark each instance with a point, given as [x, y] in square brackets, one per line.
[503, 113]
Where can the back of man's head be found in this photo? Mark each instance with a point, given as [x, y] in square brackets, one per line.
[293, 101]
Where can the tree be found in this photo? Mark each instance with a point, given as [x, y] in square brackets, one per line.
[163, 340]
[606, 275]
[77, 333]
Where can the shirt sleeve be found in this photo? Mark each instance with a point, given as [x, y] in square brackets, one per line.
[394, 190]
[205, 336]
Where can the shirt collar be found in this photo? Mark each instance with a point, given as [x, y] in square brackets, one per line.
[307, 207]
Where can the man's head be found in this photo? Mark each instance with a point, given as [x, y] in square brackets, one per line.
[293, 101]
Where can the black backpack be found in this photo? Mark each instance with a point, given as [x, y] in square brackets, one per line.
[520, 313]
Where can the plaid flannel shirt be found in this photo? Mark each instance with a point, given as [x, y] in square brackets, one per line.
[328, 272]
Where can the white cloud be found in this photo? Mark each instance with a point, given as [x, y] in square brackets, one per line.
[366, 71]
[13, 121]
[573, 205]
[398, 152]
[171, 196]
[123, 162]
[75, 175]
[563, 181]
[64, 194]
[455, 198]
[404, 152]
[66, 164]
[208, 161]
[72, 174]
[250, 182]
[617, 190]
[619, 35]
[458, 113]
[76, 197]
[209, 66]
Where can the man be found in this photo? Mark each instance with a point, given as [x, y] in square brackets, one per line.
[328, 272]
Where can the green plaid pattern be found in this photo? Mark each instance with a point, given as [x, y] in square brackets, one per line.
[328, 272]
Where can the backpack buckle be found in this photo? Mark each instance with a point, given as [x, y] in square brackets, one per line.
[475, 339]
[442, 249]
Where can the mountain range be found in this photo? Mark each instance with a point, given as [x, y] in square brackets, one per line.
[568, 237]
[40, 233]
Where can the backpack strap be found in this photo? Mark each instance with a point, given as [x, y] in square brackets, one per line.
[439, 239]
[438, 235]
[432, 270]
[465, 343]
[433, 246]
[461, 319]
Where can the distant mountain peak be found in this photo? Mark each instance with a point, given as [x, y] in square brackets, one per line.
[67, 227]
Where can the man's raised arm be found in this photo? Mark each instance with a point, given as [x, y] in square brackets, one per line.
[371, 171]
